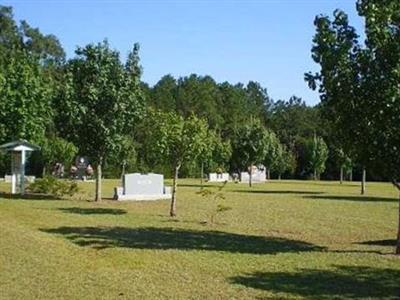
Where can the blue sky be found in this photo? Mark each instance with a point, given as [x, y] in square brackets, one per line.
[267, 41]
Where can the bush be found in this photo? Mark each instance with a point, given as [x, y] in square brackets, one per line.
[50, 185]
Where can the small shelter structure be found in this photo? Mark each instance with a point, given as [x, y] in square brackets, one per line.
[19, 150]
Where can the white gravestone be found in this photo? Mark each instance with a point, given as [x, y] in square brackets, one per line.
[258, 175]
[218, 177]
[138, 186]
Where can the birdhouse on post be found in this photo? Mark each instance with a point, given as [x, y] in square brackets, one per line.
[19, 150]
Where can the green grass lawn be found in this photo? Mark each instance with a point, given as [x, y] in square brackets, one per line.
[288, 239]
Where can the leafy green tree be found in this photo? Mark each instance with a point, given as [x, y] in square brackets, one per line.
[198, 95]
[272, 151]
[57, 150]
[258, 101]
[163, 95]
[175, 140]
[25, 99]
[317, 153]
[216, 153]
[358, 84]
[102, 102]
[125, 158]
[284, 161]
[250, 146]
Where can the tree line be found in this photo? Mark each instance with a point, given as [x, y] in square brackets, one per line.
[61, 104]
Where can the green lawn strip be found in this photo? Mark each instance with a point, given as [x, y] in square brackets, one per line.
[275, 242]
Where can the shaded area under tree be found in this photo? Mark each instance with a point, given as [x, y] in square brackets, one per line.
[93, 211]
[344, 282]
[169, 238]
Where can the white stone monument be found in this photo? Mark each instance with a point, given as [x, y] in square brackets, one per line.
[19, 150]
[258, 175]
[138, 186]
[218, 177]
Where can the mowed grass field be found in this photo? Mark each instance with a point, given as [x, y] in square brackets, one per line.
[281, 239]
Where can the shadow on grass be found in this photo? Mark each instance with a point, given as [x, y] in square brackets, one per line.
[353, 198]
[344, 282]
[279, 192]
[170, 238]
[205, 185]
[391, 243]
[28, 196]
[93, 211]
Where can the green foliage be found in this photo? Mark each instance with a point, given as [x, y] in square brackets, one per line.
[50, 185]
[250, 145]
[25, 99]
[57, 150]
[102, 100]
[317, 154]
[216, 152]
[284, 161]
[172, 139]
[214, 198]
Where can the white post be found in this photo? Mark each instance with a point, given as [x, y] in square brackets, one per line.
[13, 184]
[22, 172]
[13, 175]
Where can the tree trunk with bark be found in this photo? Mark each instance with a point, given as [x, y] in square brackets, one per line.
[351, 175]
[172, 211]
[397, 185]
[123, 169]
[201, 173]
[279, 177]
[315, 175]
[363, 181]
[268, 174]
[251, 176]
[341, 175]
[398, 233]
[98, 181]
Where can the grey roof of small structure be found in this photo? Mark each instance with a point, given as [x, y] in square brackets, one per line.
[12, 145]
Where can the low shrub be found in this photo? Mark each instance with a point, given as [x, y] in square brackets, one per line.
[50, 185]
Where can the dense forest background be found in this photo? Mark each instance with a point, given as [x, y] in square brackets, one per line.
[35, 78]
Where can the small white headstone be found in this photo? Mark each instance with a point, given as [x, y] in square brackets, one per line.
[218, 177]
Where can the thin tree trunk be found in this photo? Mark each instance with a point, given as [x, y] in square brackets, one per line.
[202, 173]
[251, 176]
[172, 211]
[397, 185]
[279, 177]
[398, 233]
[268, 174]
[315, 174]
[351, 175]
[341, 175]
[44, 171]
[98, 181]
[363, 181]
[123, 170]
